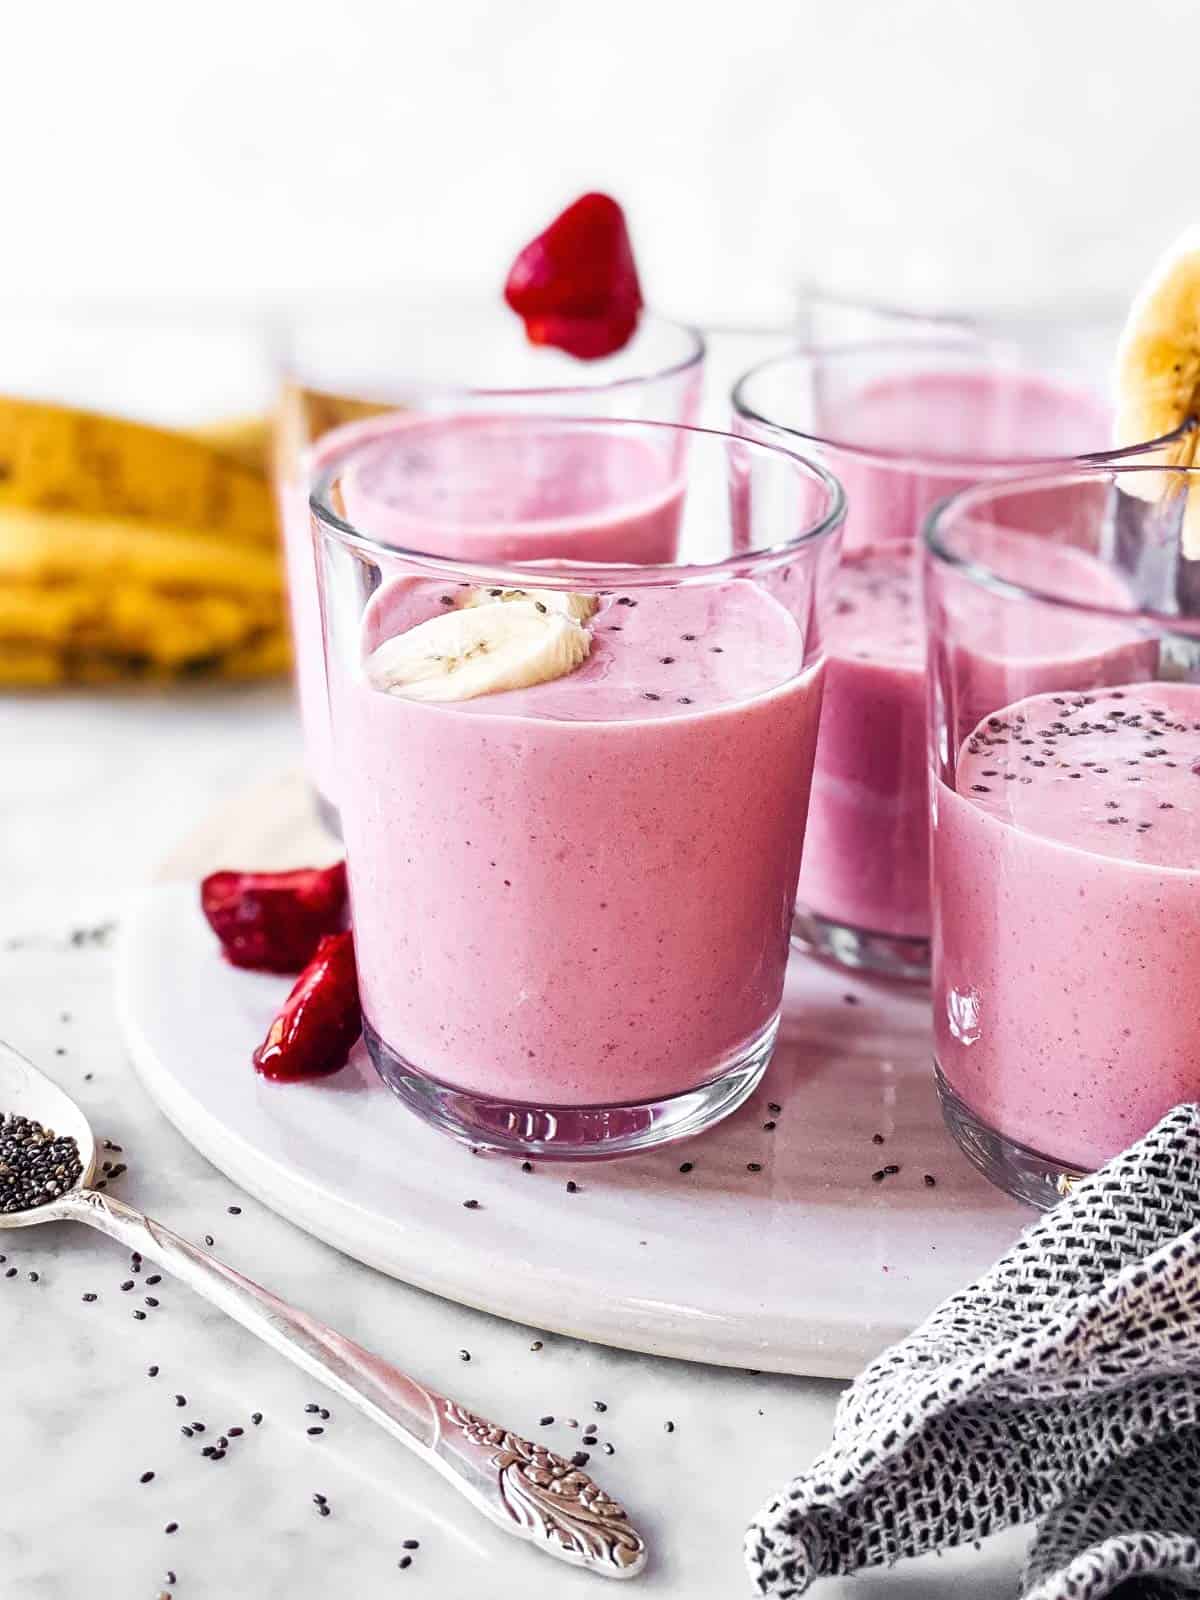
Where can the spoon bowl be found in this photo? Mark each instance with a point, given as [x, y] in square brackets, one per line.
[26, 1092]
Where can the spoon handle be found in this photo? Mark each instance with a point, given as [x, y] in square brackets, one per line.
[524, 1488]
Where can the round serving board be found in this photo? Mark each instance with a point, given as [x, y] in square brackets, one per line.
[805, 1266]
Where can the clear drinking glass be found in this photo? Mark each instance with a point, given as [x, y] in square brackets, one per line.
[571, 899]
[1064, 668]
[451, 356]
[902, 424]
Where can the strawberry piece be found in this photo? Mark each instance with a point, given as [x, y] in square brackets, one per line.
[576, 285]
[588, 338]
[314, 1033]
[273, 921]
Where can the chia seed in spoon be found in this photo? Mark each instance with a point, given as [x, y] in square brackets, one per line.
[36, 1164]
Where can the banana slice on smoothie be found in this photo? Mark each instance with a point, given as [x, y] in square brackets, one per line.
[581, 607]
[480, 649]
[1158, 369]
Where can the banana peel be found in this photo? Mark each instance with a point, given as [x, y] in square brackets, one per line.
[128, 551]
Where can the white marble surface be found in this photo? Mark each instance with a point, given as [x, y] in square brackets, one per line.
[92, 792]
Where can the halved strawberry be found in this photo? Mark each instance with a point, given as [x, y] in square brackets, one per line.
[273, 921]
[314, 1033]
[576, 285]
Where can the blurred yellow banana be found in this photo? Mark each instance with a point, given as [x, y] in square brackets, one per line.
[54, 458]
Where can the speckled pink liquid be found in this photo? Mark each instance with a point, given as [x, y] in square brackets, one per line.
[1067, 872]
[866, 858]
[579, 893]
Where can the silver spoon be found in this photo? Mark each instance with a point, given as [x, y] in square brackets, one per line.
[524, 1488]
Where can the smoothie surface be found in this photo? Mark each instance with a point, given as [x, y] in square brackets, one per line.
[659, 652]
[1115, 773]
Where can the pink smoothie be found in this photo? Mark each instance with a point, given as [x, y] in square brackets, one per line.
[1067, 902]
[481, 488]
[866, 864]
[579, 893]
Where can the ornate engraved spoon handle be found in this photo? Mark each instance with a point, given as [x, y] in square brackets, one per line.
[524, 1488]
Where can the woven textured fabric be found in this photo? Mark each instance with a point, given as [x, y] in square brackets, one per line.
[1063, 1383]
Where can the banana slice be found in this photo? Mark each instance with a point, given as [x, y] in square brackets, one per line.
[480, 649]
[1158, 369]
[580, 607]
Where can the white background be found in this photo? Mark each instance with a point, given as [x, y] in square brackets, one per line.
[1028, 152]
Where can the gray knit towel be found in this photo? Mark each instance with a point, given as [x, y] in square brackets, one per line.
[1063, 1384]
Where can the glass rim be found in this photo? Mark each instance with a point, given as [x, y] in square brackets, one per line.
[568, 575]
[968, 340]
[938, 552]
[692, 356]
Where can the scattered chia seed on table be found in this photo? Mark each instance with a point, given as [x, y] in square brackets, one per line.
[36, 1164]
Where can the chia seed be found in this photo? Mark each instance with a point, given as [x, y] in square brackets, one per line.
[36, 1164]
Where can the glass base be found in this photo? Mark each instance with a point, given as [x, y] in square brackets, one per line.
[883, 954]
[328, 813]
[574, 1133]
[1026, 1174]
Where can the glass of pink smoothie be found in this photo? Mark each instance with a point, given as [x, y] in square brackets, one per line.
[452, 355]
[903, 423]
[1064, 667]
[572, 893]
